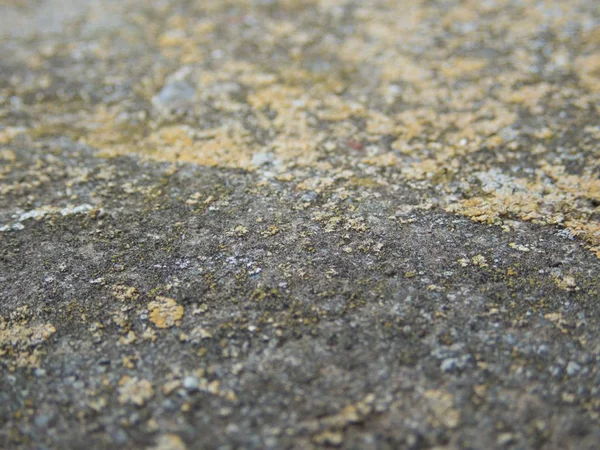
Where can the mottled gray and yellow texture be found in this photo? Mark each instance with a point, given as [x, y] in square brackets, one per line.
[299, 224]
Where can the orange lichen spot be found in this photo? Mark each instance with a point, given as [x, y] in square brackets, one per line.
[165, 312]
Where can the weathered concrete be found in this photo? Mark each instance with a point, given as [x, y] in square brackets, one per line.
[297, 224]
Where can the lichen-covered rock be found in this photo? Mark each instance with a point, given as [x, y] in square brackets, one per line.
[299, 223]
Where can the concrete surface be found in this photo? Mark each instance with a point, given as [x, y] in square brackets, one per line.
[299, 224]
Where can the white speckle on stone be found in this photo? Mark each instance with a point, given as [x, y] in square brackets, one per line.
[262, 158]
[455, 363]
[13, 227]
[566, 233]
[191, 384]
[174, 94]
[543, 350]
[38, 213]
[573, 368]
[76, 209]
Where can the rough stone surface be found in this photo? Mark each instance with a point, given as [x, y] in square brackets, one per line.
[299, 224]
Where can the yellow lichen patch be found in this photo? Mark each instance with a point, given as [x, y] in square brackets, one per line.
[334, 109]
[442, 407]
[125, 293]
[149, 335]
[170, 386]
[169, 442]
[295, 141]
[558, 320]
[102, 129]
[387, 159]
[165, 312]
[519, 247]
[239, 231]
[128, 339]
[180, 41]
[175, 135]
[487, 210]
[129, 362]
[420, 170]
[272, 230]
[227, 146]
[22, 336]
[379, 124]
[553, 198]
[403, 68]
[586, 185]
[479, 260]
[529, 96]
[134, 391]
[120, 319]
[328, 437]
[589, 231]
[451, 112]
[588, 69]
[9, 133]
[462, 67]
[566, 283]
[8, 155]
[329, 429]
[17, 342]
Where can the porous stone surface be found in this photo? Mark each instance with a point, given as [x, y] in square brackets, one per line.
[299, 224]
